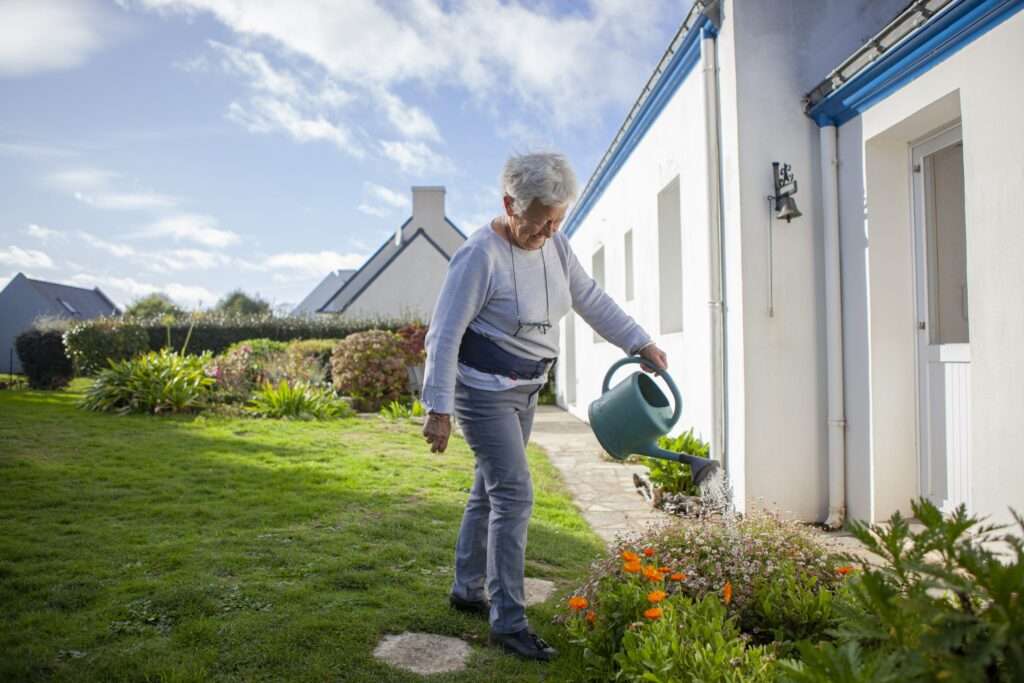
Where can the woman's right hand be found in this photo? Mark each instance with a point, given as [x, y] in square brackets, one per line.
[437, 430]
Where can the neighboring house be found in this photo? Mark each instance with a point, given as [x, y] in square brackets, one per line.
[23, 300]
[316, 299]
[404, 276]
[868, 351]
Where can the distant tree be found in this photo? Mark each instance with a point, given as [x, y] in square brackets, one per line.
[152, 306]
[240, 303]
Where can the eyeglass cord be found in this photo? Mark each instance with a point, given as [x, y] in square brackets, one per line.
[515, 287]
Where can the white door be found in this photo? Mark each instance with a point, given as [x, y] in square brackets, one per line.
[943, 330]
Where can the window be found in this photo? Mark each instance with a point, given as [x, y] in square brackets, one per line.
[70, 309]
[670, 252]
[597, 269]
[628, 252]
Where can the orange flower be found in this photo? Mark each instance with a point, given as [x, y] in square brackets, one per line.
[656, 596]
[632, 567]
[727, 592]
[652, 574]
[843, 571]
[577, 602]
[653, 613]
[591, 617]
[678, 576]
[648, 552]
[664, 570]
[630, 556]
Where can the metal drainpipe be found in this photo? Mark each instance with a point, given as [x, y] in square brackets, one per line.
[833, 329]
[719, 387]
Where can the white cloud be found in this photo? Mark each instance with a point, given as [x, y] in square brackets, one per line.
[119, 250]
[385, 200]
[25, 258]
[126, 200]
[34, 151]
[410, 121]
[192, 228]
[41, 232]
[125, 289]
[415, 157]
[95, 187]
[388, 196]
[370, 210]
[313, 263]
[186, 259]
[266, 115]
[49, 35]
[567, 66]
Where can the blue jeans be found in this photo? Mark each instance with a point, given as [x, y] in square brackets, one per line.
[490, 556]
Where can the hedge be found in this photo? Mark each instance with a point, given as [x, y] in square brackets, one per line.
[43, 360]
[51, 365]
[216, 333]
[91, 344]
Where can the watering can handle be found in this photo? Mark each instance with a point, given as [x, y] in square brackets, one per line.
[677, 399]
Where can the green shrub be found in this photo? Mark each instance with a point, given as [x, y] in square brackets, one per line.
[261, 347]
[943, 604]
[298, 401]
[788, 607]
[692, 642]
[418, 409]
[42, 355]
[396, 410]
[644, 624]
[674, 477]
[313, 351]
[370, 367]
[92, 344]
[413, 337]
[156, 382]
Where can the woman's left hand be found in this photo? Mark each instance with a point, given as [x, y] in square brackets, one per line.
[656, 356]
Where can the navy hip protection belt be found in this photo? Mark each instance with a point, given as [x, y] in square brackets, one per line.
[480, 353]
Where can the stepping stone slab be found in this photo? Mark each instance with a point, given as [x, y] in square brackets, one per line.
[423, 653]
[537, 590]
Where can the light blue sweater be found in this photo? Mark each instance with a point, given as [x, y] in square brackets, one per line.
[478, 292]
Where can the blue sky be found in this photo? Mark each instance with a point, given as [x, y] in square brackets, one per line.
[197, 146]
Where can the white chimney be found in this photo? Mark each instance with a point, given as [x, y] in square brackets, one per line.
[427, 207]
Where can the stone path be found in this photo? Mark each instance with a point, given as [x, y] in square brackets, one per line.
[603, 489]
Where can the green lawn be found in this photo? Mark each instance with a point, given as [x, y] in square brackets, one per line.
[210, 548]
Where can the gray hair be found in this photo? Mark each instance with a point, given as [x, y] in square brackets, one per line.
[546, 177]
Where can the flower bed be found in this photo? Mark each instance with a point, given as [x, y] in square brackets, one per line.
[758, 599]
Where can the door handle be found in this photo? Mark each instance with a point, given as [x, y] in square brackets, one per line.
[922, 325]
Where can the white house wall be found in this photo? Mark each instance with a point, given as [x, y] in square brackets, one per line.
[408, 287]
[673, 146]
[978, 83]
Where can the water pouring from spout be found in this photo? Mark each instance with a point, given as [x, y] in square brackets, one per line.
[629, 417]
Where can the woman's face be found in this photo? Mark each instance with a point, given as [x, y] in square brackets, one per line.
[536, 225]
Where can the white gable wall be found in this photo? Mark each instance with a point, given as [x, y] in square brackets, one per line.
[407, 287]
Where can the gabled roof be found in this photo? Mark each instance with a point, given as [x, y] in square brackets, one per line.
[316, 299]
[74, 302]
[375, 265]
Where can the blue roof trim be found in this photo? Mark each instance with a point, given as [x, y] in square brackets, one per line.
[936, 40]
[678, 69]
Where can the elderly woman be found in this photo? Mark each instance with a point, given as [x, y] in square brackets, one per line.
[493, 337]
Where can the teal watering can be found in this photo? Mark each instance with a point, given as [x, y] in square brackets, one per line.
[629, 418]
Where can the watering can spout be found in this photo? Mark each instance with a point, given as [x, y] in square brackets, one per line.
[701, 468]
